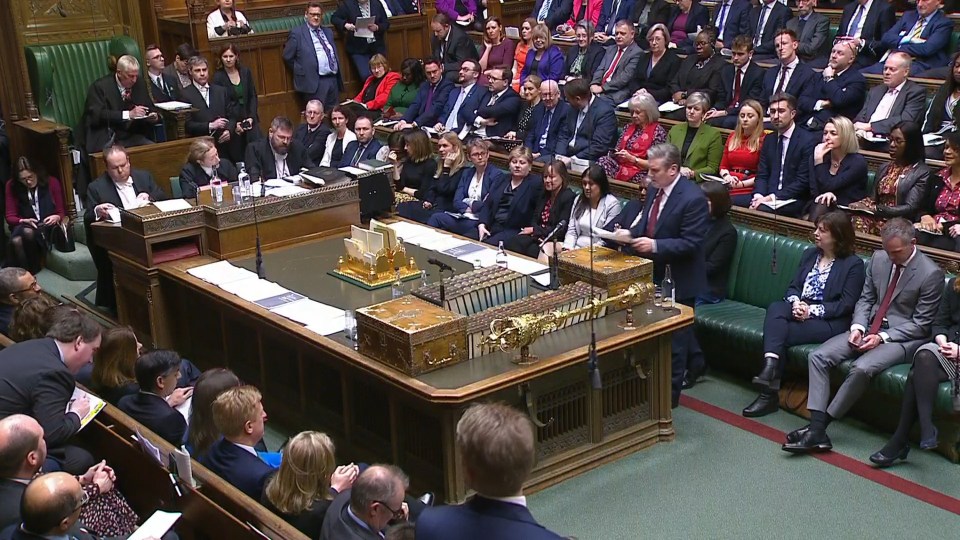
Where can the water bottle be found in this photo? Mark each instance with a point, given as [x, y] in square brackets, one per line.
[216, 189]
[669, 291]
[423, 279]
[244, 179]
[501, 256]
[397, 288]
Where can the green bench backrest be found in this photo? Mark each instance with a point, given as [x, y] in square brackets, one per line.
[61, 74]
[752, 280]
[283, 23]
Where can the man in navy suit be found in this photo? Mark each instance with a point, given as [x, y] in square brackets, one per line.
[591, 127]
[430, 100]
[867, 27]
[498, 449]
[163, 87]
[548, 118]
[764, 22]
[312, 56]
[923, 33]
[497, 114]
[791, 76]
[553, 13]
[741, 80]
[460, 109]
[362, 149]
[216, 112]
[843, 90]
[784, 170]
[239, 416]
[671, 232]
[474, 187]
[612, 12]
[731, 19]
[157, 373]
[450, 45]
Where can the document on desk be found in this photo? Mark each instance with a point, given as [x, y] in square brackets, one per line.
[156, 526]
[407, 230]
[286, 190]
[255, 289]
[328, 327]
[308, 312]
[172, 105]
[464, 249]
[184, 409]
[221, 272]
[543, 279]
[447, 242]
[172, 204]
[428, 239]
[524, 266]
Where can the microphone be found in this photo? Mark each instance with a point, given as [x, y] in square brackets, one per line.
[261, 271]
[560, 226]
[593, 362]
[440, 264]
[196, 190]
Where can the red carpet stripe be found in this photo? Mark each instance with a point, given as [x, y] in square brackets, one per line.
[851, 465]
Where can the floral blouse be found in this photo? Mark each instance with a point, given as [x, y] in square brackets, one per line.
[813, 287]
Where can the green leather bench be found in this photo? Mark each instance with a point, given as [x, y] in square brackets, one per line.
[731, 333]
[283, 23]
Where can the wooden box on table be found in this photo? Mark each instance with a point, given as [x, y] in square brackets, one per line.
[612, 270]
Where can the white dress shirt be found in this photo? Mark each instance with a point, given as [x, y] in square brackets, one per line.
[882, 112]
[128, 195]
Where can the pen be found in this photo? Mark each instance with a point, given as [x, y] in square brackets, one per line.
[176, 486]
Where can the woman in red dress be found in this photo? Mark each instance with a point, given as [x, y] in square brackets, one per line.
[741, 155]
[628, 161]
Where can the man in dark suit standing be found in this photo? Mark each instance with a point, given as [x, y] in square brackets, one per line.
[741, 80]
[866, 21]
[497, 113]
[278, 155]
[460, 109]
[163, 87]
[118, 109]
[923, 33]
[549, 116]
[430, 100]
[813, 29]
[239, 416]
[843, 88]
[792, 76]
[892, 319]
[119, 187]
[450, 45]
[765, 20]
[157, 373]
[896, 100]
[366, 509]
[784, 169]
[365, 147]
[312, 134]
[731, 19]
[215, 111]
[37, 378]
[553, 13]
[312, 56]
[591, 127]
[498, 449]
[671, 233]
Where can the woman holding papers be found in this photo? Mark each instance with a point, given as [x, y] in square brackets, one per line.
[901, 183]
[339, 138]
[226, 21]
[628, 160]
[436, 192]
[592, 209]
[203, 163]
[741, 155]
[544, 58]
[553, 206]
[404, 92]
[509, 208]
[839, 171]
[940, 220]
[34, 208]
[376, 89]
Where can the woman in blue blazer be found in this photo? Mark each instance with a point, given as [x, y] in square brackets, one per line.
[838, 171]
[511, 204]
[817, 306]
[544, 58]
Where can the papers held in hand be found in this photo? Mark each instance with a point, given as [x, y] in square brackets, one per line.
[611, 235]
[351, 102]
[96, 405]
[714, 178]
[776, 205]
[362, 23]
[933, 139]
[512, 32]
[857, 209]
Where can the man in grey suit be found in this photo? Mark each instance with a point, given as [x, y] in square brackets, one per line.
[896, 100]
[616, 72]
[813, 29]
[892, 319]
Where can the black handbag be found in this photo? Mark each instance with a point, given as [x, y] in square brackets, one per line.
[60, 237]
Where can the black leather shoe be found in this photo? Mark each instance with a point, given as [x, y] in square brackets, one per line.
[797, 434]
[691, 378]
[810, 442]
[883, 461]
[766, 403]
[768, 375]
[427, 498]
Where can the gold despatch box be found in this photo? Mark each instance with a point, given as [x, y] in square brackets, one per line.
[612, 270]
[412, 335]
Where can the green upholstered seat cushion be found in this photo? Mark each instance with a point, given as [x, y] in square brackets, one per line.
[753, 280]
[175, 188]
[61, 74]
[283, 23]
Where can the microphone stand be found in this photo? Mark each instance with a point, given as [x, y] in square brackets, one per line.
[261, 271]
[593, 362]
[443, 289]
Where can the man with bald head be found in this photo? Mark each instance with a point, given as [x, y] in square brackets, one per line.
[365, 510]
[22, 452]
[896, 100]
[842, 90]
[548, 118]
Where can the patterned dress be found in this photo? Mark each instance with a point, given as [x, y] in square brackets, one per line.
[637, 142]
[886, 196]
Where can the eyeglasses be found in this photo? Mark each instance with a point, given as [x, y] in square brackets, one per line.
[33, 286]
[84, 499]
[397, 514]
[494, 79]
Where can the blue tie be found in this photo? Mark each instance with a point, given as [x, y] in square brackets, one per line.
[720, 25]
[546, 129]
[852, 30]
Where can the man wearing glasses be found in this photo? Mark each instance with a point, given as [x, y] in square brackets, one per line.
[365, 510]
[312, 134]
[312, 56]
[163, 87]
[500, 107]
[461, 106]
[16, 285]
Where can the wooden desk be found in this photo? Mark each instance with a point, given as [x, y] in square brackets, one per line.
[378, 414]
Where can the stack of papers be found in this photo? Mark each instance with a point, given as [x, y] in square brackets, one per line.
[172, 204]
[221, 272]
[96, 405]
[172, 105]
[669, 107]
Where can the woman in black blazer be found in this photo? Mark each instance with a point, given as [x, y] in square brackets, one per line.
[937, 116]
[202, 160]
[583, 58]
[719, 244]
[657, 68]
[554, 205]
[838, 171]
[238, 80]
[818, 304]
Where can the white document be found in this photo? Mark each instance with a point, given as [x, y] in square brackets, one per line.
[113, 215]
[276, 182]
[385, 123]
[543, 279]
[872, 137]
[329, 326]
[353, 171]
[96, 405]
[714, 178]
[172, 105]
[181, 457]
[156, 526]
[625, 105]
[776, 205]
[221, 272]
[362, 23]
[606, 235]
[172, 204]
[254, 289]
[407, 230]
[932, 139]
[148, 447]
[446, 243]
[669, 107]
[524, 266]
[481, 255]
[184, 409]
[307, 311]
[512, 32]
[286, 190]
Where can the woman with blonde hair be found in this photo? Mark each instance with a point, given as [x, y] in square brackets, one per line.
[203, 161]
[376, 89]
[544, 58]
[520, 52]
[627, 162]
[741, 155]
[308, 479]
[839, 173]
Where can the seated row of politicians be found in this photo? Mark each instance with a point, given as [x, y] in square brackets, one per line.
[51, 486]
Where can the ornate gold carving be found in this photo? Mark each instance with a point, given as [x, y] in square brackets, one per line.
[317, 199]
